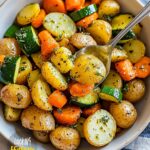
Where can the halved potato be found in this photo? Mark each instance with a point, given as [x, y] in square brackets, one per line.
[36, 119]
[100, 128]
[40, 92]
[26, 14]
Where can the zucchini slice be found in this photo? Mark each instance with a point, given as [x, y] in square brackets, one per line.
[9, 69]
[111, 94]
[59, 25]
[82, 13]
[100, 128]
[87, 100]
[28, 40]
[11, 31]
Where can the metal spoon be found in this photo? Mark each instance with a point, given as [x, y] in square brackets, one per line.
[104, 52]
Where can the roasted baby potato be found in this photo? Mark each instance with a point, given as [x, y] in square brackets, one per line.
[100, 128]
[113, 80]
[16, 96]
[108, 8]
[40, 92]
[36, 119]
[37, 58]
[26, 14]
[135, 50]
[62, 59]
[54, 77]
[41, 136]
[101, 31]
[11, 114]
[80, 40]
[124, 113]
[34, 76]
[88, 69]
[134, 90]
[9, 46]
[118, 55]
[65, 138]
[24, 70]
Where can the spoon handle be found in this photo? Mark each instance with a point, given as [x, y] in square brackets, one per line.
[144, 12]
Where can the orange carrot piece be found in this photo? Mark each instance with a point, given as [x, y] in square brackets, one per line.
[78, 89]
[73, 4]
[126, 70]
[54, 6]
[2, 57]
[82, 3]
[57, 99]
[37, 21]
[142, 67]
[89, 111]
[96, 2]
[85, 22]
[68, 115]
[87, 3]
[48, 43]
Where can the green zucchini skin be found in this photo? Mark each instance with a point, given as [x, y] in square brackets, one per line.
[9, 69]
[11, 31]
[87, 100]
[28, 40]
[80, 14]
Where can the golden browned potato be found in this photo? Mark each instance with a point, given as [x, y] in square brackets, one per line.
[81, 40]
[9, 46]
[124, 113]
[65, 138]
[41, 136]
[134, 90]
[101, 31]
[27, 13]
[16, 96]
[108, 8]
[40, 92]
[24, 70]
[36, 119]
[88, 69]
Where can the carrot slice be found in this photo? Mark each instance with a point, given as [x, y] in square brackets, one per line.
[142, 67]
[57, 99]
[89, 111]
[73, 4]
[54, 6]
[48, 43]
[87, 3]
[96, 2]
[38, 20]
[82, 2]
[68, 115]
[85, 22]
[2, 57]
[126, 70]
[78, 89]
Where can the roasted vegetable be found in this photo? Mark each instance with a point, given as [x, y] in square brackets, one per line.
[16, 96]
[62, 59]
[81, 40]
[65, 138]
[99, 129]
[101, 31]
[9, 46]
[26, 14]
[36, 119]
[11, 114]
[53, 76]
[124, 113]
[40, 92]
[24, 70]
[41, 136]
[134, 90]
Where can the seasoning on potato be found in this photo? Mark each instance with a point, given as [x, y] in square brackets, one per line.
[124, 113]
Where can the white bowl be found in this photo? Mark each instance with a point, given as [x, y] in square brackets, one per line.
[14, 131]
